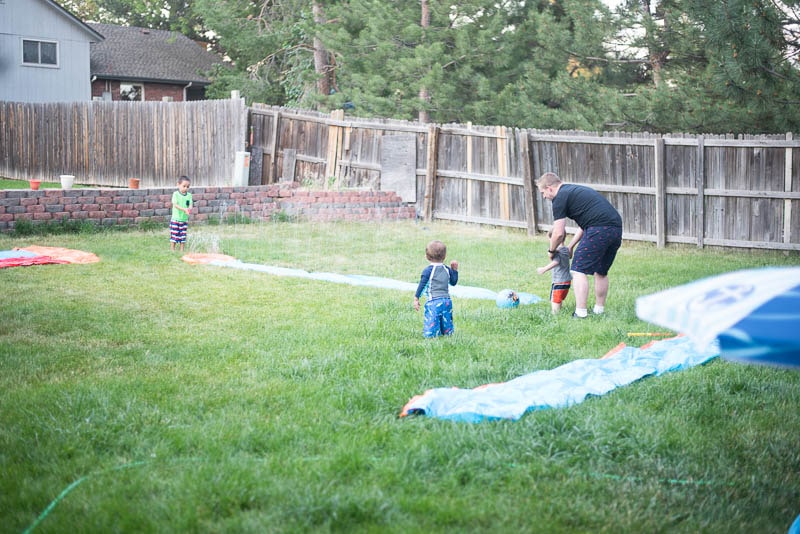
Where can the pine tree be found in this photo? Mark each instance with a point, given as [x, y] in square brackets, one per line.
[654, 65]
[724, 66]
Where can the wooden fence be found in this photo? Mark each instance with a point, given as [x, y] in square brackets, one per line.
[106, 143]
[700, 190]
[455, 172]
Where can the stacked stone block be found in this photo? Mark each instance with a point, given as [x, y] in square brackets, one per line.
[130, 207]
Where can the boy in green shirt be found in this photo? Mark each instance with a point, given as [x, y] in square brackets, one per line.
[181, 208]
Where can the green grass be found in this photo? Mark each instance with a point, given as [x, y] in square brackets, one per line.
[144, 394]
[9, 183]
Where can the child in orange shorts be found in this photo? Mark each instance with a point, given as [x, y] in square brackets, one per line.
[562, 277]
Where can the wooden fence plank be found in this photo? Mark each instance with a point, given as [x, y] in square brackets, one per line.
[529, 187]
[787, 187]
[334, 145]
[502, 161]
[468, 159]
[430, 173]
[661, 194]
[700, 201]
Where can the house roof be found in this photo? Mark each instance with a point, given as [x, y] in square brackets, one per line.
[141, 54]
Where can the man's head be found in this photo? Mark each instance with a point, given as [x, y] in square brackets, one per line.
[548, 185]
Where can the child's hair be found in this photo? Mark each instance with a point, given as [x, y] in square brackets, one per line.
[183, 178]
[436, 251]
[563, 237]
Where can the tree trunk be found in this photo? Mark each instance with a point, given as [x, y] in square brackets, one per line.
[321, 64]
[657, 57]
[424, 95]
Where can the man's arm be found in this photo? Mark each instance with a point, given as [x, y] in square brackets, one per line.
[557, 235]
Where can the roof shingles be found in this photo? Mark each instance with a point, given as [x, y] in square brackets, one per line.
[142, 54]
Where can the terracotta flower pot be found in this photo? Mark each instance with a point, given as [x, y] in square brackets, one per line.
[133, 183]
[35, 184]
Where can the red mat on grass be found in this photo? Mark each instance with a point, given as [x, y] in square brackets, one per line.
[37, 255]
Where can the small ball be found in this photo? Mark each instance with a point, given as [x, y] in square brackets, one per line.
[507, 298]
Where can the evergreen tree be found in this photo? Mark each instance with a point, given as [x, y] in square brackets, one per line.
[481, 61]
[653, 65]
[710, 67]
[271, 45]
[560, 68]
[752, 53]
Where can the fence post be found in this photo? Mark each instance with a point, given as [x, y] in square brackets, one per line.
[502, 170]
[787, 186]
[536, 169]
[273, 168]
[700, 218]
[528, 188]
[241, 139]
[661, 193]
[430, 171]
[470, 183]
[344, 152]
[334, 144]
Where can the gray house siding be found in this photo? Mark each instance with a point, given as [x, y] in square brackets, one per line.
[45, 21]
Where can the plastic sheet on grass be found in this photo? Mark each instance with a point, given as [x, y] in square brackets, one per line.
[459, 291]
[563, 386]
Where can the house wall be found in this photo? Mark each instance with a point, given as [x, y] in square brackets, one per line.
[69, 81]
[152, 91]
[134, 206]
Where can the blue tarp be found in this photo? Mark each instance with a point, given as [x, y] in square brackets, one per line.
[563, 386]
[8, 254]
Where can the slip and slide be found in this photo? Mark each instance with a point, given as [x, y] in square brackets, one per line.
[563, 386]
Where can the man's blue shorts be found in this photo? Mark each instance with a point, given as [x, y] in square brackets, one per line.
[597, 249]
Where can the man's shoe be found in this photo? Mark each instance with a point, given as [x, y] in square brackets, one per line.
[576, 316]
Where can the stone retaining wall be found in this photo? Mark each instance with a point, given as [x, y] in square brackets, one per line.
[133, 206]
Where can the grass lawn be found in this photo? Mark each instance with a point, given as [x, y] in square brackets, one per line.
[8, 183]
[144, 394]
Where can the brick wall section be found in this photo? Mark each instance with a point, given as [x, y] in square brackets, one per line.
[133, 206]
[152, 91]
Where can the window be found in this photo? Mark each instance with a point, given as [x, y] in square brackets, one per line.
[131, 91]
[39, 53]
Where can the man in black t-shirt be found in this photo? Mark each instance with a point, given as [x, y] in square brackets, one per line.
[598, 238]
